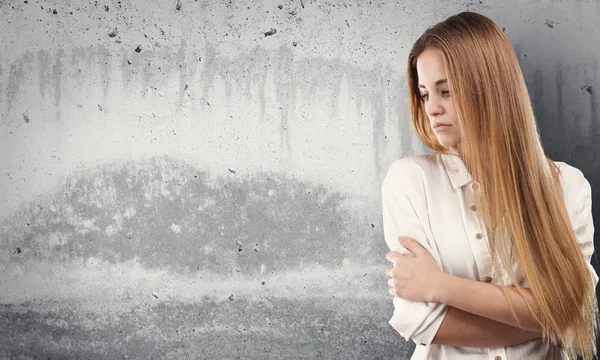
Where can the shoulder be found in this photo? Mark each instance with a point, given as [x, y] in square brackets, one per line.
[571, 176]
[411, 166]
[574, 183]
[410, 172]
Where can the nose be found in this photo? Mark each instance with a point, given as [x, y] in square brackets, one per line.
[433, 106]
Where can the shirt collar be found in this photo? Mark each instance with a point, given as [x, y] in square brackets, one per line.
[456, 169]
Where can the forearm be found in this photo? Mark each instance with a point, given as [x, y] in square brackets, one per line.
[488, 301]
[461, 328]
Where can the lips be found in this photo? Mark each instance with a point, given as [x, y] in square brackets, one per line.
[440, 124]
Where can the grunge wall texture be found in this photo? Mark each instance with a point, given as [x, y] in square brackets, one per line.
[201, 179]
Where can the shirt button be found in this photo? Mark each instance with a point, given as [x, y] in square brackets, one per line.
[487, 279]
[478, 236]
[498, 358]
[475, 186]
[473, 207]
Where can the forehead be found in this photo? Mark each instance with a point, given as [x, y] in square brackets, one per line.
[430, 67]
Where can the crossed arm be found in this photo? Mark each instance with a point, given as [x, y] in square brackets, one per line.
[489, 323]
[479, 314]
[469, 321]
[461, 328]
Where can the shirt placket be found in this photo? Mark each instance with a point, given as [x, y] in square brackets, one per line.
[478, 239]
[476, 235]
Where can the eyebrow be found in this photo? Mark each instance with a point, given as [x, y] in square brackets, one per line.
[441, 81]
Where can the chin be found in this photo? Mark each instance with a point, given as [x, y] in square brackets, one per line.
[446, 141]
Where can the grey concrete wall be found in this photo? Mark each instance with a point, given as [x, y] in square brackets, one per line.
[195, 179]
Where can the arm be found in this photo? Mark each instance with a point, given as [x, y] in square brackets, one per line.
[402, 205]
[461, 328]
[424, 321]
[466, 295]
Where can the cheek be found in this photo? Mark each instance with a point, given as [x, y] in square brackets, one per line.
[450, 109]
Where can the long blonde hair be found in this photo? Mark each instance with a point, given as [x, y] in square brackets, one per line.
[520, 193]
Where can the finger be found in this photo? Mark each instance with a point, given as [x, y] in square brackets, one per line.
[391, 291]
[392, 256]
[391, 283]
[389, 256]
[389, 273]
[410, 244]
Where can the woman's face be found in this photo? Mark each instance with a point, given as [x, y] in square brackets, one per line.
[436, 97]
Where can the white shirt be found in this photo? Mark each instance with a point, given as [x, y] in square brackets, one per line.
[430, 198]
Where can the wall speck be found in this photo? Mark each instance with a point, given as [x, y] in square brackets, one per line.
[302, 3]
[280, 6]
[106, 8]
[550, 23]
[26, 117]
[138, 48]
[230, 170]
[295, 43]
[178, 6]
[99, 107]
[590, 89]
[17, 250]
[503, 29]
[271, 32]
[155, 296]
[54, 11]
[113, 33]
[230, 297]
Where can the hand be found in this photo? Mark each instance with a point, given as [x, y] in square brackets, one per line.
[415, 277]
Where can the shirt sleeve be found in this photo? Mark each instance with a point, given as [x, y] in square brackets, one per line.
[403, 198]
[579, 205]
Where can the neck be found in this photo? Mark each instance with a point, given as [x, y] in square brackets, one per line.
[453, 150]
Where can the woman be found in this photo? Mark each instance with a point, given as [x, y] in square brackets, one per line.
[499, 237]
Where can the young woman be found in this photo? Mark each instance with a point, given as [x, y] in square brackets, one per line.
[496, 260]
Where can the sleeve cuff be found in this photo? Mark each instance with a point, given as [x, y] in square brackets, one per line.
[418, 321]
[426, 336]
